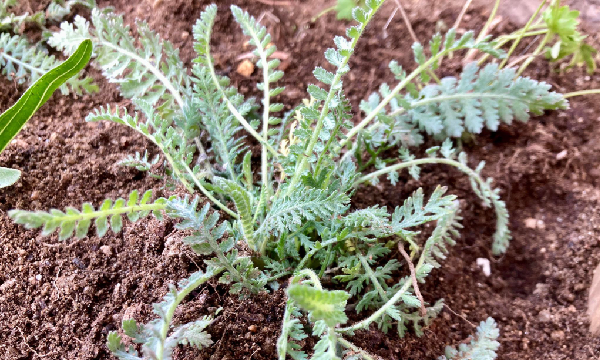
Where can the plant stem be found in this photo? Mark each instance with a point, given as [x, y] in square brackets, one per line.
[487, 25]
[153, 69]
[209, 195]
[407, 164]
[537, 51]
[313, 251]
[329, 9]
[522, 33]
[311, 275]
[232, 108]
[355, 348]
[280, 275]
[503, 39]
[581, 92]
[171, 310]
[391, 96]
[366, 322]
[325, 109]
[372, 276]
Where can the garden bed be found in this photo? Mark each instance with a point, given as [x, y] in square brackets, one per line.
[60, 300]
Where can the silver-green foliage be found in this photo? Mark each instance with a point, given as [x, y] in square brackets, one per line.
[150, 72]
[297, 219]
[483, 346]
[478, 98]
[159, 338]
[108, 216]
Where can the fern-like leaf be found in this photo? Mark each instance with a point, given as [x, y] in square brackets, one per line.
[154, 337]
[152, 71]
[482, 347]
[108, 215]
[480, 98]
[243, 202]
[287, 214]
[320, 304]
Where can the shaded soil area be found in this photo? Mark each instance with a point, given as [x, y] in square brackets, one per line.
[60, 300]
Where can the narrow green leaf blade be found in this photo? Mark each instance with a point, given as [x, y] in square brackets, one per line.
[13, 119]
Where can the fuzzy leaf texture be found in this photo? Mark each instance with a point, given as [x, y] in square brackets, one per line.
[243, 202]
[479, 98]
[217, 119]
[25, 63]
[154, 337]
[11, 21]
[205, 241]
[151, 71]
[482, 347]
[287, 214]
[323, 305]
[8, 176]
[108, 215]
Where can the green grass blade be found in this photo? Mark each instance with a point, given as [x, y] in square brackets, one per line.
[13, 119]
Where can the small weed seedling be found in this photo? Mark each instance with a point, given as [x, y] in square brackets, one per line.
[296, 221]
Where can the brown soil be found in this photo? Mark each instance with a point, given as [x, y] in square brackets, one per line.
[60, 300]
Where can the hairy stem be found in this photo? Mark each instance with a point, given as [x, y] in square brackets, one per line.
[153, 69]
[283, 338]
[347, 344]
[467, 170]
[232, 108]
[363, 324]
[208, 194]
[171, 310]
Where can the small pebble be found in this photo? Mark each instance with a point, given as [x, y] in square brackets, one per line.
[252, 328]
[245, 68]
[561, 155]
[558, 335]
[531, 223]
[106, 250]
[545, 316]
[38, 277]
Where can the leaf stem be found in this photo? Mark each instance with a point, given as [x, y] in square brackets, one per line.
[171, 310]
[581, 92]
[313, 251]
[325, 109]
[208, 194]
[522, 33]
[467, 170]
[537, 51]
[355, 348]
[372, 276]
[391, 96]
[232, 108]
[153, 69]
